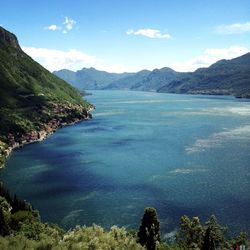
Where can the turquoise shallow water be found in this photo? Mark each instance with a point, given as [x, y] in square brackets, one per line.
[181, 154]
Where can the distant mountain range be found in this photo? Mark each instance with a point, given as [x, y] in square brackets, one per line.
[144, 80]
[225, 77]
[90, 78]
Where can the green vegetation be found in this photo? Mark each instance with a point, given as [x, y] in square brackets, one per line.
[149, 231]
[94, 237]
[30, 97]
[21, 228]
[33, 103]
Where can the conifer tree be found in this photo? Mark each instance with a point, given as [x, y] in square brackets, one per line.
[149, 231]
[191, 232]
[5, 209]
[216, 232]
[208, 243]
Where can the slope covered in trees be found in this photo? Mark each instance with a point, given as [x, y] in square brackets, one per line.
[33, 102]
[21, 228]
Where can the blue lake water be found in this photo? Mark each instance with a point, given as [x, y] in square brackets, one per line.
[181, 154]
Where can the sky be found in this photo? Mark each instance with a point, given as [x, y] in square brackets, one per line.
[129, 35]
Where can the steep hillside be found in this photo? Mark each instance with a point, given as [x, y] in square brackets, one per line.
[33, 102]
[226, 77]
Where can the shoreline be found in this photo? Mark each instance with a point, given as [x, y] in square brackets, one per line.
[38, 136]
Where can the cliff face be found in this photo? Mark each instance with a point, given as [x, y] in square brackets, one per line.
[33, 102]
[8, 38]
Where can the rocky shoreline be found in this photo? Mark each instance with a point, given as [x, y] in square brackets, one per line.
[18, 141]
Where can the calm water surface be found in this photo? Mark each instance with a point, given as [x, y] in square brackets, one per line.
[181, 154]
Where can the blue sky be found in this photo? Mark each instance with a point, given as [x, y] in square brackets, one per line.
[131, 35]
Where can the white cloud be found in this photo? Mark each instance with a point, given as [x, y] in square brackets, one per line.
[71, 59]
[66, 26]
[69, 23]
[150, 33]
[208, 57]
[53, 27]
[115, 68]
[235, 28]
[57, 59]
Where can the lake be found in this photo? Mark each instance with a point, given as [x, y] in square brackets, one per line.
[181, 154]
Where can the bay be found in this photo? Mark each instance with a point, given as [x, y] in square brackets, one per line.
[181, 154]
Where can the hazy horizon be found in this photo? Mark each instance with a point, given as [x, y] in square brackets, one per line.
[129, 36]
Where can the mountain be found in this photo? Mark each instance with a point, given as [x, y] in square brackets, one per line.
[89, 78]
[226, 77]
[144, 80]
[68, 76]
[157, 78]
[33, 102]
[127, 82]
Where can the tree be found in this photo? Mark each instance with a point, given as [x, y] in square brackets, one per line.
[5, 193]
[4, 217]
[241, 239]
[149, 231]
[216, 232]
[191, 233]
[4, 228]
[208, 243]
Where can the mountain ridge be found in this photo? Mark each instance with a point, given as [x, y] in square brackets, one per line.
[144, 80]
[225, 77]
[91, 77]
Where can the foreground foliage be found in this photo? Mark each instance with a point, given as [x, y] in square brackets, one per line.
[94, 237]
[149, 231]
[21, 228]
